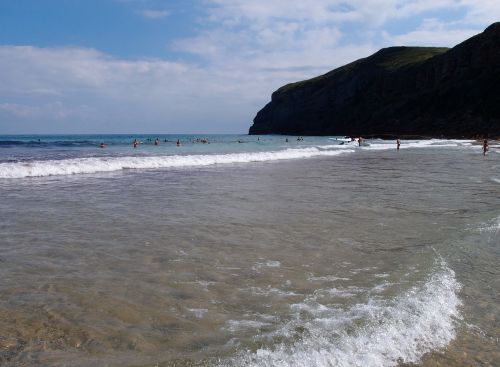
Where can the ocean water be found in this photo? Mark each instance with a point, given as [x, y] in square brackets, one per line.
[248, 251]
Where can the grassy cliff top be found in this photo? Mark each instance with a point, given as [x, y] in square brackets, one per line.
[389, 59]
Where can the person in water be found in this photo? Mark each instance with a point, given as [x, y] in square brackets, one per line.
[398, 143]
[178, 142]
[485, 146]
[102, 145]
[135, 143]
[360, 141]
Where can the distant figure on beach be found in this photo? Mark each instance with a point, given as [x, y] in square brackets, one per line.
[178, 142]
[135, 143]
[398, 143]
[485, 146]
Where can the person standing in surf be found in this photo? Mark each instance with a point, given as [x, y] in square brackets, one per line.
[485, 146]
[398, 143]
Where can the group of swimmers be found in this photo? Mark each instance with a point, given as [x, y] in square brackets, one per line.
[360, 141]
[201, 140]
[136, 142]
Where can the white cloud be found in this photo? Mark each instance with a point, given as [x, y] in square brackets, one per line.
[432, 32]
[244, 51]
[481, 12]
[154, 14]
[53, 83]
[54, 110]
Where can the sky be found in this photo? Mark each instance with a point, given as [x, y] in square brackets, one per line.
[194, 66]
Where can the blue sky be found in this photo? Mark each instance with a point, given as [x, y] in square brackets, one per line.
[193, 66]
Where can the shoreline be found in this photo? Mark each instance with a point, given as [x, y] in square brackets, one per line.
[395, 136]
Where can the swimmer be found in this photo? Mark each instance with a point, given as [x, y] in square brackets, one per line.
[178, 143]
[102, 145]
[135, 143]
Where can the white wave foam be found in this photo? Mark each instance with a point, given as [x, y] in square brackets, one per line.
[491, 226]
[270, 291]
[326, 278]
[237, 325]
[399, 330]
[199, 313]
[109, 164]
[432, 143]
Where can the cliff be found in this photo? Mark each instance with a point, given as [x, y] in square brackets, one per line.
[421, 91]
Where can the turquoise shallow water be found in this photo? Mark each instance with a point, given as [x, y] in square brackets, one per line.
[41, 146]
[311, 253]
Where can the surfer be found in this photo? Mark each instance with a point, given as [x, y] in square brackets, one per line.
[485, 146]
[398, 143]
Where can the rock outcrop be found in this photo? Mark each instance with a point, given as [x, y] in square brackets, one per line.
[400, 91]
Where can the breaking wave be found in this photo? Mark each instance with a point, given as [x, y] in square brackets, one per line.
[110, 164]
[378, 333]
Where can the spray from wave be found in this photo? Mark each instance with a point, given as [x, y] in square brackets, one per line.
[378, 333]
[110, 164]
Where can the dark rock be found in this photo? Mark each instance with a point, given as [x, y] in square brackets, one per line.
[398, 91]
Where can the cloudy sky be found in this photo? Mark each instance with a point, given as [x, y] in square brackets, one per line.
[193, 66]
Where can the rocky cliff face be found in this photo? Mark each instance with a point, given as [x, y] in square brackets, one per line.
[397, 91]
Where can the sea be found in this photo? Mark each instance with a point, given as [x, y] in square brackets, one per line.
[237, 250]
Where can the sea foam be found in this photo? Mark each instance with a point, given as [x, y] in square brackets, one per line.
[403, 329]
[110, 164]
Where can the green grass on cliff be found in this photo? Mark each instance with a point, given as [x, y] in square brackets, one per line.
[405, 56]
[390, 59]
